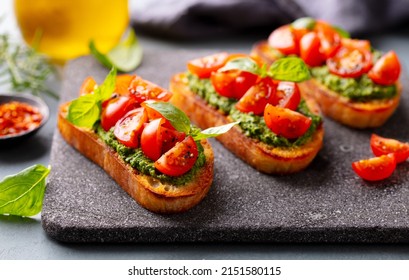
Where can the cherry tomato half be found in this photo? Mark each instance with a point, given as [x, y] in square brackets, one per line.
[203, 67]
[257, 97]
[284, 40]
[383, 146]
[180, 159]
[386, 70]
[310, 50]
[375, 169]
[128, 129]
[285, 122]
[144, 90]
[122, 83]
[88, 86]
[233, 83]
[157, 139]
[330, 40]
[350, 62]
[287, 95]
[115, 108]
[364, 45]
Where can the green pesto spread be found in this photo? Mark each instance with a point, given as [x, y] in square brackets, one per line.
[253, 126]
[137, 159]
[357, 89]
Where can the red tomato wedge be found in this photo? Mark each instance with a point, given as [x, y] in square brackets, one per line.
[330, 40]
[203, 67]
[144, 90]
[128, 129]
[310, 50]
[115, 108]
[375, 169]
[350, 62]
[287, 95]
[233, 83]
[257, 97]
[383, 146]
[157, 139]
[285, 122]
[284, 40]
[180, 159]
[88, 86]
[122, 84]
[386, 70]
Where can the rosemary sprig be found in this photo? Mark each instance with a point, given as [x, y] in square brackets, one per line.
[23, 68]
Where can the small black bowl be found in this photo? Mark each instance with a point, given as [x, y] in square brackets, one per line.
[31, 100]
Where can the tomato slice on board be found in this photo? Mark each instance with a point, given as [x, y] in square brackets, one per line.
[285, 122]
[383, 146]
[284, 40]
[287, 95]
[144, 90]
[233, 83]
[330, 40]
[350, 62]
[88, 86]
[203, 67]
[129, 128]
[310, 50]
[157, 139]
[386, 70]
[257, 97]
[122, 84]
[115, 108]
[180, 159]
[375, 169]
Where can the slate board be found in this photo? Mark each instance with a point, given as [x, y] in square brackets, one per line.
[325, 203]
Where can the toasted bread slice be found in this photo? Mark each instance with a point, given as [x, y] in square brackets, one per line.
[342, 109]
[265, 158]
[149, 192]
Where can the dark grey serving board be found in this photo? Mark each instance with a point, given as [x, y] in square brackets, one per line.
[325, 203]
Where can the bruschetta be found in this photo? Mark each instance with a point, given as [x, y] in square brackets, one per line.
[144, 143]
[278, 131]
[352, 83]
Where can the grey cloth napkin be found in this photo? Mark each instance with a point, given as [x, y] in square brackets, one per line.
[214, 18]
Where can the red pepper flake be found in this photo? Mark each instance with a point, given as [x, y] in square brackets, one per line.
[17, 117]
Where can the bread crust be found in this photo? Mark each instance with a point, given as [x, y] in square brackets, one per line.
[368, 114]
[267, 159]
[149, 192]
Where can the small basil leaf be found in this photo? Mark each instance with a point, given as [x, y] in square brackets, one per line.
[84, 111]
[244, 64]
[22, 194]
[305, 22]
[105, 90]
[213, 131]
[126, 56]
[175, 116]
[342, 32]
[291, 69]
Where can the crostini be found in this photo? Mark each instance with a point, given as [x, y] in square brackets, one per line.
[278, 131]
[352, 83]
[145, 144]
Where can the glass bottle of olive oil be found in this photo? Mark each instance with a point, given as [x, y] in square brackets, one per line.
[65, 27]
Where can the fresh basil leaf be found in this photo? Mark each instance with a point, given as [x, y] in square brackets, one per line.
[126, 56]
[305, 22]
[84, 111]
[291, 69]
[342, 32]
[22, 194]
[105, 90]
[213, 131]
[175, 116]
[244, 64]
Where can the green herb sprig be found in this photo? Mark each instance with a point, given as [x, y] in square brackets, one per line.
[23, 68]
[22, 194]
